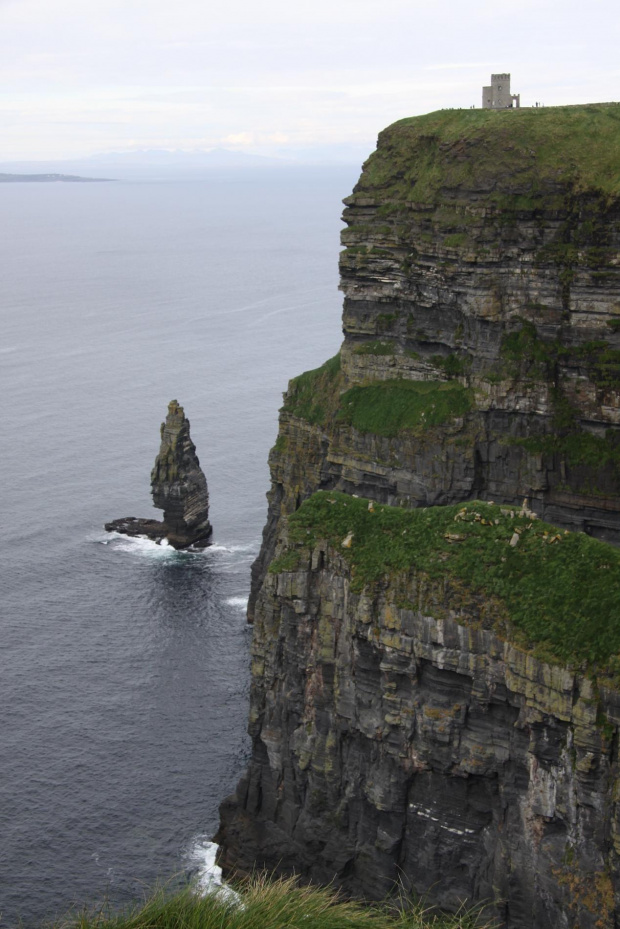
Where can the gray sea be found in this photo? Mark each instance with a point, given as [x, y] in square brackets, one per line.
[124, 680]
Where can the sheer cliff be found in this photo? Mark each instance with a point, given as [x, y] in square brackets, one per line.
[409, 720]
[481, 261]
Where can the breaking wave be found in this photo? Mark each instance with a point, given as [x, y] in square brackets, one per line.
[207, 874]
[240, 603]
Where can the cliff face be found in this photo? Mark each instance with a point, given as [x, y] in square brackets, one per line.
[401, 726]
[403, 730]
[482, 252]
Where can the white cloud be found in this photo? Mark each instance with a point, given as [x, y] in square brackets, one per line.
[239, 139]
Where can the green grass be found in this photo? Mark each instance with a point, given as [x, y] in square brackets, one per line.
[452, 365]
[280, 444]
[562, 597]
[577, 448]
[311, 395]
[387, 408]
[526, 352]
[456, 240]
[385, 320]
[524, 345]
[286, 562]
[575, 145]
[271, 904]
[527, 356]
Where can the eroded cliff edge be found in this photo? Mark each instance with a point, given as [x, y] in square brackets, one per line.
[481, 361]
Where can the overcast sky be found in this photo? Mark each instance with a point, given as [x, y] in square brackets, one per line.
[278, 76]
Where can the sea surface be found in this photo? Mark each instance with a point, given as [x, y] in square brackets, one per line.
[124, 666]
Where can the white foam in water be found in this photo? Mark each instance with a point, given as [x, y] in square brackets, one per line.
[240, 602]
[138, 545]
[208, 874]
[145, 547]
[232, 549]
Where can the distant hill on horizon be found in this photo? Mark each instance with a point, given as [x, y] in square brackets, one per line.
[215, 157]
[39, 178]
[161, 164]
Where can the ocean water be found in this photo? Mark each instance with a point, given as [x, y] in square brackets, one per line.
[124, 680]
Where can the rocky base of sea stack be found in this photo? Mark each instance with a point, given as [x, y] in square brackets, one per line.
[156, 531]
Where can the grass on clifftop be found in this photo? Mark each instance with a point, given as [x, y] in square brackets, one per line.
[561, 590]
[271, 904]
[511, 148]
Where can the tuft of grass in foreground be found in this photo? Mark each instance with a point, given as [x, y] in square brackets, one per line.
[560, 590]
[274, 904]
[387, 408]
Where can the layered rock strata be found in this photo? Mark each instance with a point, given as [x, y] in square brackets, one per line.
[395, 731]
[400, 735]
[179, 488]
[481, 249]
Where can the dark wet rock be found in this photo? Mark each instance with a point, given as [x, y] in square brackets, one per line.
[179, 488]
[135, 527]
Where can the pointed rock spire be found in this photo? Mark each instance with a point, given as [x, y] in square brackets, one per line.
[178, 484]
[179, 488]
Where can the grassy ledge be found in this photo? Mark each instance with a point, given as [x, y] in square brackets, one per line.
[387, 408]
[560, 590]
[312, 395]
[273, 904]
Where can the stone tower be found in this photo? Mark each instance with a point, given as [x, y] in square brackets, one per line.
[497, 95]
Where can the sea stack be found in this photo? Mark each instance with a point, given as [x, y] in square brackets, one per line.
[179, 488]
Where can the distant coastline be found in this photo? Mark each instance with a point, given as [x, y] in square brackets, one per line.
[38, 178]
